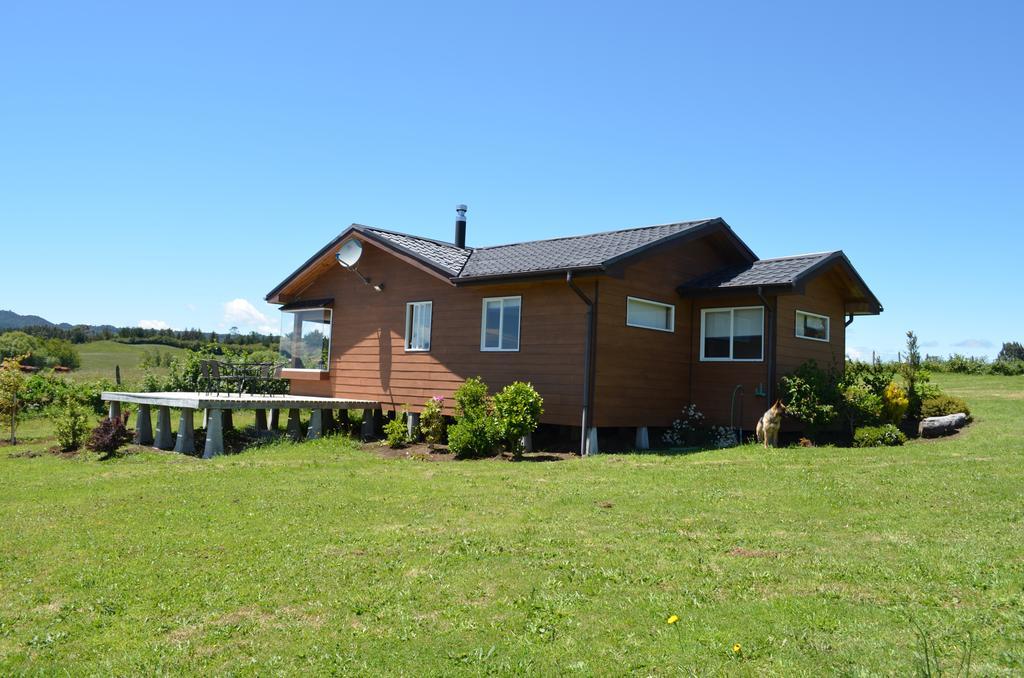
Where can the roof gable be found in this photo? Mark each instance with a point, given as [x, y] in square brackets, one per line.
[783, 272]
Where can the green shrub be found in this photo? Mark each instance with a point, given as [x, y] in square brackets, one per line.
[964, 364]
[1008, 368]
[471, 399]
[862, 406]
[473, 437]
[878, 436]
[811, 395]
[432, 421]
[475, 431]
[70, 424]
[941, 404]
[517, 408]
[396, 431]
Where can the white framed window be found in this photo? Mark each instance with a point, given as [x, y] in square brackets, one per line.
[306, 339]
[499, 326]
[812, 326]
[732, 334]
[651, 315]
[418, 315]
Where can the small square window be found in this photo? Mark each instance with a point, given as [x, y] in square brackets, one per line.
[499, 330]
[735, 334]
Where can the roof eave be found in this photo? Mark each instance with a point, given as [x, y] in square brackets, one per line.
[545, 273]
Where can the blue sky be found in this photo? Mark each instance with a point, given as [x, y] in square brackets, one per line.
[163, 163]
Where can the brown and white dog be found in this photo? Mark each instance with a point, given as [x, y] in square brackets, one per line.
[768, 425]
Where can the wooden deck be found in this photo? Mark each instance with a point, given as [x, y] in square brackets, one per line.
[215, 403]
[233, 401]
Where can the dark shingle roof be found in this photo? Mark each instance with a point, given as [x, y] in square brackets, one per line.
[764, 272]
[582, 252]
[445, 256]
[559, 254]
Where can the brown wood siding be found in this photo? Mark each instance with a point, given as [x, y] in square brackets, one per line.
[643, 375]
[368, 357]
[820, 296]
[715, 381]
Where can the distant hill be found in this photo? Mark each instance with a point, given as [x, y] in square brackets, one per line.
[9, 320]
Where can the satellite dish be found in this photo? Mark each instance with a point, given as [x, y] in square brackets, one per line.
[349, 253]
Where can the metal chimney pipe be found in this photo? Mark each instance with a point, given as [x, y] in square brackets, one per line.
[460, 226]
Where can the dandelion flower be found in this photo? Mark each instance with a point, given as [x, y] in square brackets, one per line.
[673, 619]
[736, 648]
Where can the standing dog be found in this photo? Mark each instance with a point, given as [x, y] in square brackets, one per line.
[768, 426]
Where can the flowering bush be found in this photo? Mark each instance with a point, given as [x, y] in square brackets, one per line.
[686, 429]
[895, 403]
[691, 430]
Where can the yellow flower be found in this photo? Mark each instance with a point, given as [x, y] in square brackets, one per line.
[736, 648]
[673, 619]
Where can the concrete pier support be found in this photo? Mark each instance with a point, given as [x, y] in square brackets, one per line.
[316, 425]
[214, 434]
[294, 429]
[642, 440]
[592, 441]
[185, 442]
[370, 419]
[164, 437]
[275, 419]
[115, 410]
[261, 421]
[527, 442]
[329, 426]
[143, 426]
[412, 425]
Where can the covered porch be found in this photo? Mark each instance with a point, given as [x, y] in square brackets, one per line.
[218, 407]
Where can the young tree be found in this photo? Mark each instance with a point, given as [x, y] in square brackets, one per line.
[1012, 350]
[12, 386]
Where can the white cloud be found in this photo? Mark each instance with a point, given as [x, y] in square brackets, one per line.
[154, 325]
[974, 343]
[242, 314]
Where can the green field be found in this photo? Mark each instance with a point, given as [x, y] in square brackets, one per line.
[99, 359]
[321, 558]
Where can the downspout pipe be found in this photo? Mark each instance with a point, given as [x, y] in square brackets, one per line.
[588, 352]
[849, 319]
[769, 345]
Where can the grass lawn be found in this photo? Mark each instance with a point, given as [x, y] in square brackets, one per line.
[100, 357]
[321, 558]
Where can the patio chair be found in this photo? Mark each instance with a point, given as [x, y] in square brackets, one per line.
[209, 376]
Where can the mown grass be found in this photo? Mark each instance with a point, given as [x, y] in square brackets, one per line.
[321, 558]
[99, 359]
